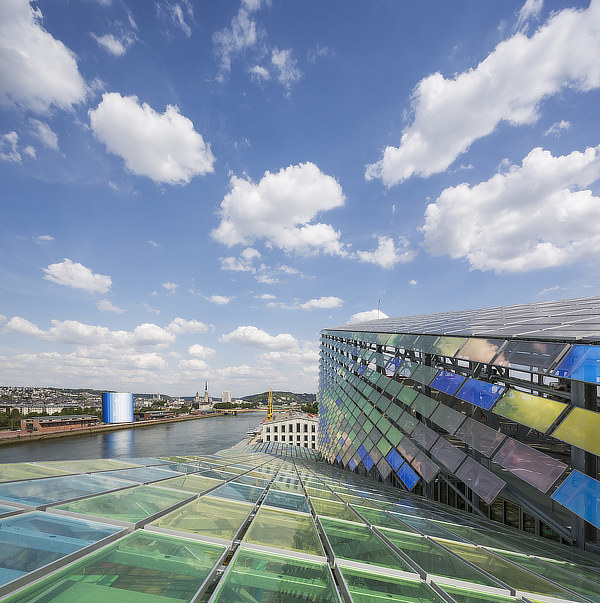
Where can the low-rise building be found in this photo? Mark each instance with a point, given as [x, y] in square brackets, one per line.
[294, 428]
[58, 423]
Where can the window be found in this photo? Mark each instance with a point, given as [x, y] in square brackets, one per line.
[275, 428]
[312, 428]
[274, 438]
[282, 437]
[305, 427]
[268, 438]
[298, 427]
[268, 430]
[283, 429]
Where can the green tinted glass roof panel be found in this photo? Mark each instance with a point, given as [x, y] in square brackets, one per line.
[208, 516]
[257, 576]
[285, 530]
[16, 471]
[371, 587]
[144, 566]
[360, 543]
[286, 500]
[191, 483]
[132, 505]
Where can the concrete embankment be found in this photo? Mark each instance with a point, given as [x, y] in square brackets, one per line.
[9, 438]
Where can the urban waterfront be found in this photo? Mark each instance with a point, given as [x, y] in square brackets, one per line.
[200, 437]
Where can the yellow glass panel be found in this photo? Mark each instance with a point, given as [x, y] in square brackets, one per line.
[581, 428]
[529, 410]
[447, 346]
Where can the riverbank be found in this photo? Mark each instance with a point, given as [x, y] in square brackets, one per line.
[11, 438]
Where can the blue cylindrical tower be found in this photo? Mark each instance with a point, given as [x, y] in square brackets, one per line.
[117, 408]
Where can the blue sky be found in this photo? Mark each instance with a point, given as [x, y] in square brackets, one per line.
[192, 190]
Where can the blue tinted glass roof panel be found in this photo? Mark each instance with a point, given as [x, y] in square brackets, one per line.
[480, 393]
[580, 494]
[581, 363]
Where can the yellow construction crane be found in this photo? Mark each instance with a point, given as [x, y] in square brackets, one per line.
[270, 406]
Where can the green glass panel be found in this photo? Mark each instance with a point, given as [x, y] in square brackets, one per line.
[407, 422]
[533, 411]
[191, 483]
[14, 471]
[580, 428]
[236, 491]
[287, 488]
[381, 519]
[394, 435]
[133, 504]
[393, 387]
[425, 405]
[330, 508]
[287, 500]
[370, 587]
[87, 466]
[424, 374]
[208, 516]
[447, 346]
[434, 560]
[142, 567]
[383, 446]
[394, 411]
[462, 595]
[285, 530]
[325, 494]
[552, 572]
[510, 574]
[407, 395]
[383, 424]
[257, 576]
[360, 543]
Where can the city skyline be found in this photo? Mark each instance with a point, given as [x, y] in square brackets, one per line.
[192, 192]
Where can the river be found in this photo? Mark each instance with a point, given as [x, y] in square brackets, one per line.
[196, 438]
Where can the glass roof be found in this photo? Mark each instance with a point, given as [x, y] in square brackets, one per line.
[338, 537]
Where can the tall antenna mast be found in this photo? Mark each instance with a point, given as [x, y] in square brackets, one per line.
[378, 307]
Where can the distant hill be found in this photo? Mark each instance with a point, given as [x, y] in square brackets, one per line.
[281, 398]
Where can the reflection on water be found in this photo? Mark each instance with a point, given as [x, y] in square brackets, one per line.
[203, 436]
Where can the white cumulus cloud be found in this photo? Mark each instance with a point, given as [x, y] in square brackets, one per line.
[112, 44]
[199, 351]
[257, 338]
[37, 71]
[163, 146]
[220, 300]
[321, 302]
[170, 287]
[260, 73]
[9, 147]
[388, 254]
[366, 315]
[280, 209]
[76, 275]
[535, 215]
[106, 306]
[181, 325]
[508, 86]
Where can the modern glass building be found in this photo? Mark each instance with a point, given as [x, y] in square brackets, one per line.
[262, 524]
[492, 411]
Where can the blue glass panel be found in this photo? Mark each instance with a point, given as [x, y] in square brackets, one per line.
[448, 382]
[581, 363]
[394, 459]
[361, 369]
[339, 402]
[368, 461]
[580, 494]
[341, 441]
[362, 452]
[352, 464]
[338, 458]
[393, 364]
[408, 476]
[480, 393]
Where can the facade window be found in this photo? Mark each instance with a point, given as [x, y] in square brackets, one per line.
[268, 438]
[298, 427]
[275, 428]
[313, 445]
[306, 438]
[268, 430]
[312, 428]
[313, 437]
[274, 438]
[305, 427]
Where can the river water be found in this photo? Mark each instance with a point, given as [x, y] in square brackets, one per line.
[196, 438]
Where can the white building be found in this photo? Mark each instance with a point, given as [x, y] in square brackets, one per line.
[225, 396]
[295, 428]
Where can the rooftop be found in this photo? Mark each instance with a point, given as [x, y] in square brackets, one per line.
[246, 525]
[565, 320]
